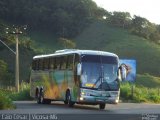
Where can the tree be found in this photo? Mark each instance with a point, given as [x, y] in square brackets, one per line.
[142, 27]
[120, 19]
[5, 76]
[53, 15]
[67, 43]
[155, 37]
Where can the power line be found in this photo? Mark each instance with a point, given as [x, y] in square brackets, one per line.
[8, 47]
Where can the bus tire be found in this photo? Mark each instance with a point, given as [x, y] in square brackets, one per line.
[66, 98]
[46, 101]
[102, 106]
[70, 102]
[36, 93]
[40, 99]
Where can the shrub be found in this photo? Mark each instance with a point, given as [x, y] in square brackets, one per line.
[125, 91]
[5, 101]
[24, 93]
[140, 93]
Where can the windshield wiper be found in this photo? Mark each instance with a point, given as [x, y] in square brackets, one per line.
[105, 85]
[96, 81]
[102, 83]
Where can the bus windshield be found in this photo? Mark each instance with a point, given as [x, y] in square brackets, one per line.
[99, 72]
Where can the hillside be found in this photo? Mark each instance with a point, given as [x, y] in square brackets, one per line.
[147, 80]
[100, 36]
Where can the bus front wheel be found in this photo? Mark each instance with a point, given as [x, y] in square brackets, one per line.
[68, 99]
[102, 106]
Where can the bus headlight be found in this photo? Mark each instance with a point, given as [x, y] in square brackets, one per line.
[116, 101]
[81, 98]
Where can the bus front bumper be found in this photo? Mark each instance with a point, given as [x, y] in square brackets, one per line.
[98, 100]
[96, 96]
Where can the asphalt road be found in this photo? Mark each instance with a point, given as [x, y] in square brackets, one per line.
[112, 111]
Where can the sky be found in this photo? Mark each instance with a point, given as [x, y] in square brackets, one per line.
[149, 9]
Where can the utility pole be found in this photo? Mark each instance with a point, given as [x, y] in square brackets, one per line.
[16, 31]
[17, 62]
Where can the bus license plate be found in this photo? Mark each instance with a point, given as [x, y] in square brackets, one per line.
[99, 100]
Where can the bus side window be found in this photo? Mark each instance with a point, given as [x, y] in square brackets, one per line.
[37, 64]
[58, 63]
[34, 65]
[55, 63]
[70, 62]
[45, 63]
[40, 64]
[51, 63]
[63, 62]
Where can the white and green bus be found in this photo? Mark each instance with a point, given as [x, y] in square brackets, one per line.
[76, 76]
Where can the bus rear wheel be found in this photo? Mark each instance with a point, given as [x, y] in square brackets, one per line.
[39, 98]
[102, 106]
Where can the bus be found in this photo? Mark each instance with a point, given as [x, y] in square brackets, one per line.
[76, 76]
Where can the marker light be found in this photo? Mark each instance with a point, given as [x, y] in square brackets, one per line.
[83, 93]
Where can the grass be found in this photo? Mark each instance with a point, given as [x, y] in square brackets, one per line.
[24, 93]
[148, 81]
[5, 101]
[136, 93]
[145, 89]
[7, 96]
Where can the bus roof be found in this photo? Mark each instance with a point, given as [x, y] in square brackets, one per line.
[72, 51]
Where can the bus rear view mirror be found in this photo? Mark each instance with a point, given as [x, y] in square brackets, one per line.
[123, 72]
[79, 69]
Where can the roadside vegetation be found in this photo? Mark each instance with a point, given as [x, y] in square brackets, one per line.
[24, 93]
[7, 96]
[5, 101]
[147, 92]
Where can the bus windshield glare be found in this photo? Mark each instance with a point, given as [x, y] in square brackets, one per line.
[99, 72]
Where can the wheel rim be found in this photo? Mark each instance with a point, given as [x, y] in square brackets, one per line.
[38, 98]
[41, 99]
[102, 106]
